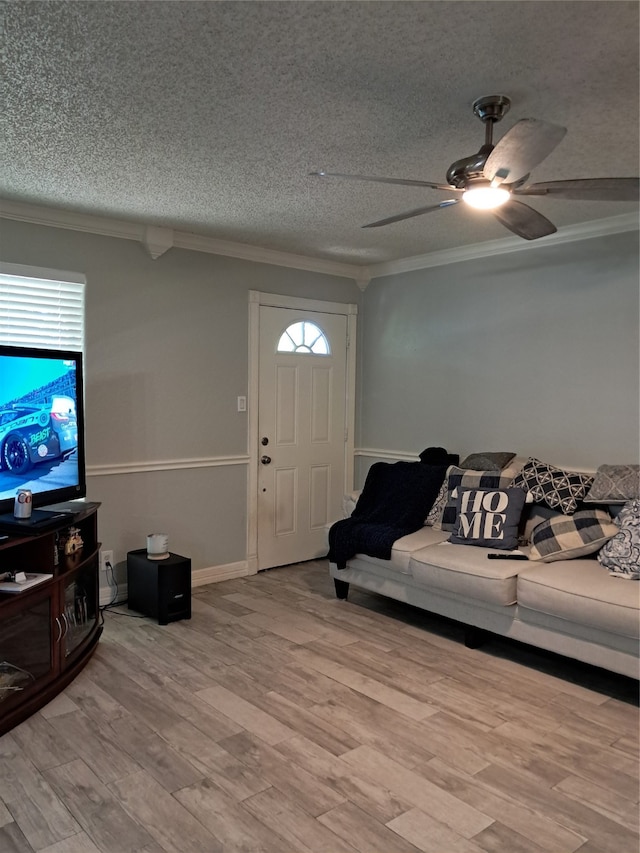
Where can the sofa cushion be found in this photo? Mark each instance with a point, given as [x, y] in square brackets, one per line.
[579, 591]
[466, 572]
[404, 547]
[553, 486]
[568, 536]
[621, 554]
[615, 484]
[488, 518]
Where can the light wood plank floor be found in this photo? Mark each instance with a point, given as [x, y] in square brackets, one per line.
[281, 720]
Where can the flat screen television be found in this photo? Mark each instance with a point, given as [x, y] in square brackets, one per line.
[41, 431]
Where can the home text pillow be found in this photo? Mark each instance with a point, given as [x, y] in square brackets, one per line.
[488, 517]
[615, 484]
[552, 486]
[568, 536]
[459, 478]
[487, 461]
[621, 554]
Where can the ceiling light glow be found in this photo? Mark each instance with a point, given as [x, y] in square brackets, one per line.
[486, 197]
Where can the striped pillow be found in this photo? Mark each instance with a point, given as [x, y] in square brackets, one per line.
[568, 536]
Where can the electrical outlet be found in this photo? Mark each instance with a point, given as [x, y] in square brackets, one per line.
[105, 557]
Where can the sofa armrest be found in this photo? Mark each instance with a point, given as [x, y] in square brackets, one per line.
[349, 502]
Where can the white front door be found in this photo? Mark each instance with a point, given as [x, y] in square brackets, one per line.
[302, 427]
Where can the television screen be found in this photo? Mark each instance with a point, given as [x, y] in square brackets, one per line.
[41, 425]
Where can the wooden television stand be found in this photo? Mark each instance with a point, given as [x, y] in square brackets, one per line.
[49, 629]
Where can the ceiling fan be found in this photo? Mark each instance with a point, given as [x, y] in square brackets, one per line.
[495, 177]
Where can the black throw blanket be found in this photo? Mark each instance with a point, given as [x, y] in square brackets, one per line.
[395, 501]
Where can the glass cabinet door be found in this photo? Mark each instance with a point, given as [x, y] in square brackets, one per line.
[79, 607]
[25, 649]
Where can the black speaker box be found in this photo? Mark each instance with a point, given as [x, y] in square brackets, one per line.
[159, 588]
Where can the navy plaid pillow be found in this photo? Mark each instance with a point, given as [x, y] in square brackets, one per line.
[565, 537]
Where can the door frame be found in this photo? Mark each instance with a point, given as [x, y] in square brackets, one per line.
[256, 300]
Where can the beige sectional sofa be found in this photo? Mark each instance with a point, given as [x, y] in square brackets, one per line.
[574, 607]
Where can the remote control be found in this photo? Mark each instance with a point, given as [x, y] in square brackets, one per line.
[507, 556]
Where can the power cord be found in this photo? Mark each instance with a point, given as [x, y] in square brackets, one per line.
[112, 604]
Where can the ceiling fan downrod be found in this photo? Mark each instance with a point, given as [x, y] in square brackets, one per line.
[489, 109]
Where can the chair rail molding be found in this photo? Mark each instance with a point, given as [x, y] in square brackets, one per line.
[118, 468]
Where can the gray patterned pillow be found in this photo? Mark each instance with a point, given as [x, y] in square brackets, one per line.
[552, 486]
[488, 461]
[434, 518]
[615, 484]
[621, 554]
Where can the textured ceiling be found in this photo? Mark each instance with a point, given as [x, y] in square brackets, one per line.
[208, 116]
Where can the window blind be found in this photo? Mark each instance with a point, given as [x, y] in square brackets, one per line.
[42, 310]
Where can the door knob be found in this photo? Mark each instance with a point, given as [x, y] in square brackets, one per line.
[265, 460]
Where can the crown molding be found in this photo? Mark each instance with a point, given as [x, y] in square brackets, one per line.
[57, 218]
[569, 234]
[200, 243]
[158, 240]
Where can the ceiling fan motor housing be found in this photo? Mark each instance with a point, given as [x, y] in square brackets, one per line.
[460, 173]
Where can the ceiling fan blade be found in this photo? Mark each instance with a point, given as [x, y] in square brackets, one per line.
[589, 189]
[403, 181]
[523, 220]
[418, 211]
[522, 147]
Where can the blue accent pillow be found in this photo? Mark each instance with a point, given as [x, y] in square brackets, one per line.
[488, 517]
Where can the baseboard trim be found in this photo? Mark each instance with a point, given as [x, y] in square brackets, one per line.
[215, 574]
[199, 577]
[106, 594]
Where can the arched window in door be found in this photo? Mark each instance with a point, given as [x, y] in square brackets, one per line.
[304, 337]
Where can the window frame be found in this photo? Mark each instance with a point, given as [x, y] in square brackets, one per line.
[52, 312]
[303, 348]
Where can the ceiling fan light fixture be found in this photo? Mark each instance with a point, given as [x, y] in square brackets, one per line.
[485, 197]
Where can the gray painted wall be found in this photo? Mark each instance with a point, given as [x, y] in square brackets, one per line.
[166, 358]
[534, 352]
